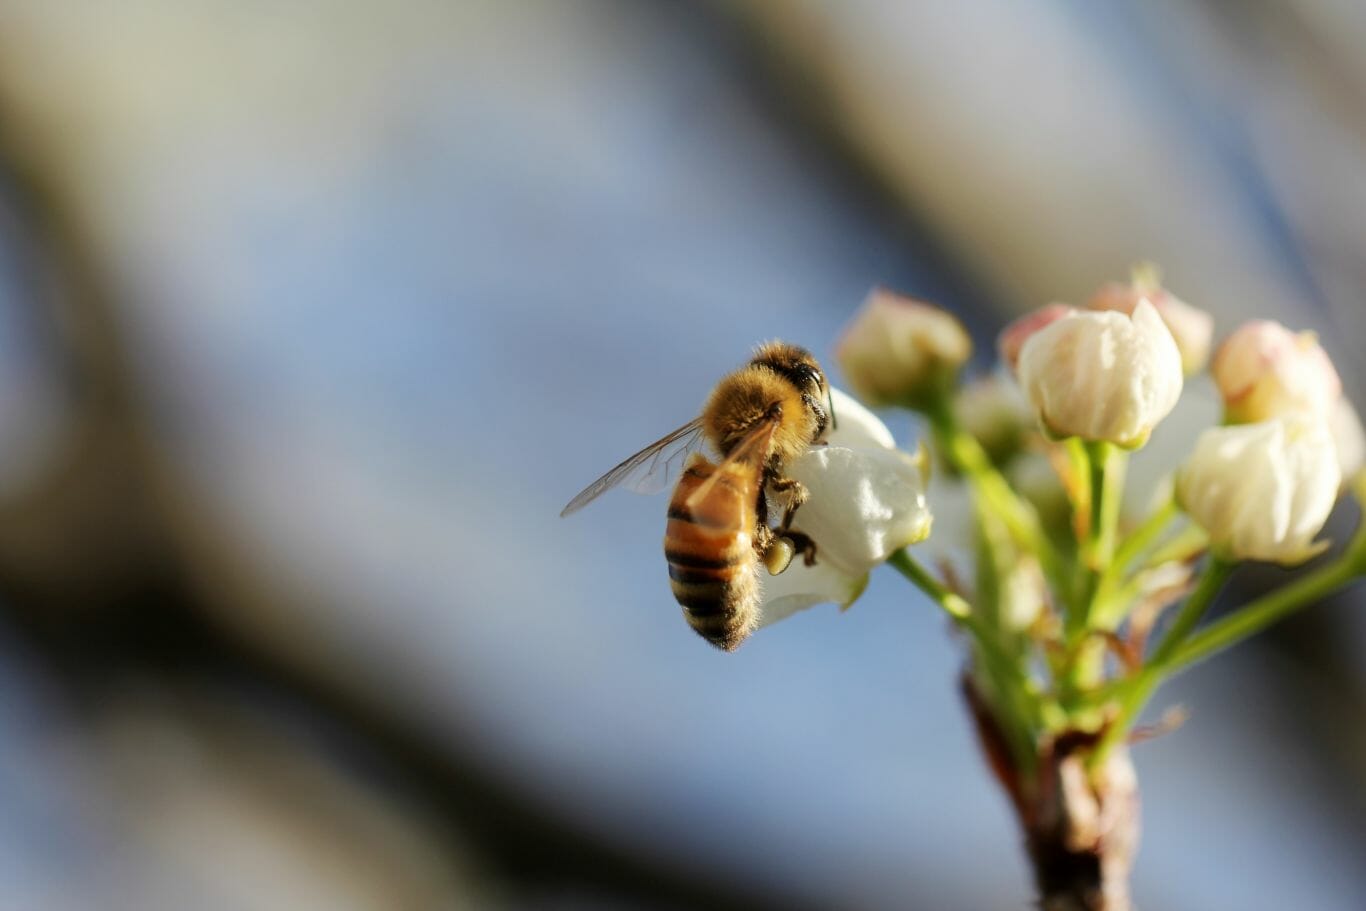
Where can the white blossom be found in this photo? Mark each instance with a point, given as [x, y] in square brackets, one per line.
[866, 501]
[1102, 376]
[1262, 491]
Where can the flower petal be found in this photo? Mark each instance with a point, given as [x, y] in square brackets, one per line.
[1102, 375]
[801, 586]
[1262, 491]
[856, 426]
[864, 503]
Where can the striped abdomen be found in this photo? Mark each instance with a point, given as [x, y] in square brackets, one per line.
[710, 549]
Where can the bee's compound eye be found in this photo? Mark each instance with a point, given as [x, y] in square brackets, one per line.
[808, 375]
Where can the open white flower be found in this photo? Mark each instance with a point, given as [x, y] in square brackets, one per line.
[867, 501]
[1102, 376]
[1262, 491]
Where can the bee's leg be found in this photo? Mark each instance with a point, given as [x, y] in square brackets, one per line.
[794, 492]
[803, 545]
[763, 538]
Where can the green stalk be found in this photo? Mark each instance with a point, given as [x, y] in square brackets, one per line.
[1107, 464]
[1142, 687]
[951, 602]
[1003, 671]
[1114, 595]
[1113, 465]
[1019, 517]
[1256, 616]
[1144, 536]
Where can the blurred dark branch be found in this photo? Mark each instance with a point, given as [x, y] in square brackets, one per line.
[132, 611]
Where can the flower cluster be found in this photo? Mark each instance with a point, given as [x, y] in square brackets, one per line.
[1076, 610]
[1078, 605]
[1069, 588]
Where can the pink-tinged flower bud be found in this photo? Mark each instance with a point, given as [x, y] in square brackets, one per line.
[899, 351]
[1191, 328]
[1264, 370]
[1013, 336]
[1262, 491]
[1104, 377]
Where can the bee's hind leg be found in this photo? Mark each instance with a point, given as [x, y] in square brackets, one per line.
[803, 545]
[793, 493]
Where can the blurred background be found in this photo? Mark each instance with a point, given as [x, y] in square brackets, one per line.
[314, 314]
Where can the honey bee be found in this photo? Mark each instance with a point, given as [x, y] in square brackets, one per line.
[758, 419]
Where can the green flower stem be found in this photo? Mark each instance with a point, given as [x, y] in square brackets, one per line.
[1211, 580]
[1106, 464]
[1114, 597]
[1185, 545]
[967, 455]
[1141, 689]
[1256, 616]
[1109, 464]
[1144, 536]
[1079, 459]
[952, 603]
[1004, 671]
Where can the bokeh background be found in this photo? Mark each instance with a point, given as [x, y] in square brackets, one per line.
[313, 314]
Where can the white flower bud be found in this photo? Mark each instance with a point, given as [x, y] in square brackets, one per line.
[1264, 370]
[1191, 328]
[867, 501]
[993, 410]
[899, 351]
[1262, 491]
[1102, 376]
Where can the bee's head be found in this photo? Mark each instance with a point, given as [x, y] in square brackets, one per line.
[794, 363]
[799, 367]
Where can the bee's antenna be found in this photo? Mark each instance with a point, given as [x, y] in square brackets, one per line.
[830, 398]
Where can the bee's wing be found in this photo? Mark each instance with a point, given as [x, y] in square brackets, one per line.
[753, 450]
[648, 471]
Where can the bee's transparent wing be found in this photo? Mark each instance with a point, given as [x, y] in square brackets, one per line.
[651, 470]
[753, 450]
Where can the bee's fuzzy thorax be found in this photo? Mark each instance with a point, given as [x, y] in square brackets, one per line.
[743, 399]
